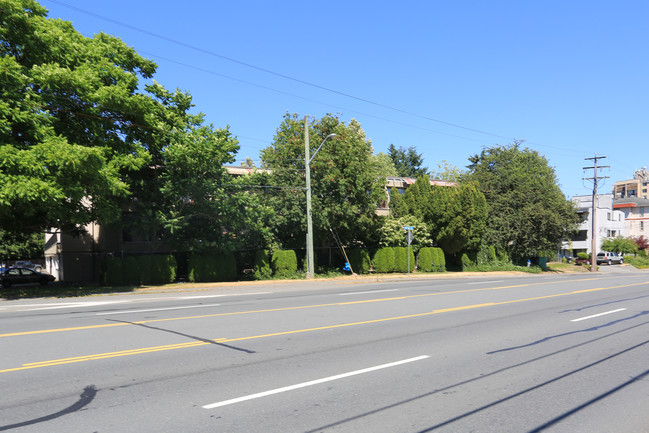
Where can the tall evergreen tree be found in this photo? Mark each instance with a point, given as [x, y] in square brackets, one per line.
[407, 161]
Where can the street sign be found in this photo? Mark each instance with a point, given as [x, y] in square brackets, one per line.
[409, 228]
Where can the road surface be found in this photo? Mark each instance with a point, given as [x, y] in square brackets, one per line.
[556, 353]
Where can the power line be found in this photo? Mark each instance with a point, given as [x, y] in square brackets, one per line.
[268, 71]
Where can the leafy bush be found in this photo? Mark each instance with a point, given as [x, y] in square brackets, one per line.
[163, 269]
[439, 261]
[359, 260]
[640, 262]
[112, 272]
[207, 268]
[284, 263]
[384, 260]
[262, 265]
[401, 259]
[583, 256]
[467, 264]
[145, 269]
[130, 271]
[425, 259]
[225, 267]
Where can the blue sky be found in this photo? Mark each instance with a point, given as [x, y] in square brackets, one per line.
[450, 78]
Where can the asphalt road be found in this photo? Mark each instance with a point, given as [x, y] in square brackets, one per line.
[566, 353]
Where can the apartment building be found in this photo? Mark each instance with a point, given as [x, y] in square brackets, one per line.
[610, 223]
[636, 215]
[636, 187]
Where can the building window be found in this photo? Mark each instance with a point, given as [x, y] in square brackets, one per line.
[641, 226]
[642, 211]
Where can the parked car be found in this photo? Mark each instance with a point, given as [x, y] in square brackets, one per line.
[609, 258]
[24, 276]
[30, 265]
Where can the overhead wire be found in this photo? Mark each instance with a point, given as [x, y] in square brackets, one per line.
[268, 71]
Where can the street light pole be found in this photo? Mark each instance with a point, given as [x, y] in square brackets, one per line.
[310, 263]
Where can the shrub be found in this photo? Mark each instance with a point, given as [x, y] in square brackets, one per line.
[439, 261]
[491, 254]
[130, 271]
[401, 259]
[425, 260]
[145, 268]
[207, 268]
[384, 260]
[467, 264]
[359, 260]
[225, 267]
[284, 263]
[583, 256]
[163, 269]
[112, 272]
[262, 265]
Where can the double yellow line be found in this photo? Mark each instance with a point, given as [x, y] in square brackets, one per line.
[112, 325]
[297, 331]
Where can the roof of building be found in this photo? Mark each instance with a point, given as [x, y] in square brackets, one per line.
[630, 202]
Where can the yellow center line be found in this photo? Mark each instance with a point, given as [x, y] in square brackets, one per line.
[139, 351]
[112, 325]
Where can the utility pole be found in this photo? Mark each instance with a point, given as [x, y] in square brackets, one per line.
[310, 268]
[595, 179]
[310, 256]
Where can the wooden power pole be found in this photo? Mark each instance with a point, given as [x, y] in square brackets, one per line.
[594, 179]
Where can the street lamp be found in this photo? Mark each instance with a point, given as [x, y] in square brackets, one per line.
[310, 266]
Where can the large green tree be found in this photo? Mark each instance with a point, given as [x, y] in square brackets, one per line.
[82, 139]
[345, 193]
[528, 213]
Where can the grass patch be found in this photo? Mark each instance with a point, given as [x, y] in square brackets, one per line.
[495, 267]
[637, 262]
[60, 291]
[565, 267]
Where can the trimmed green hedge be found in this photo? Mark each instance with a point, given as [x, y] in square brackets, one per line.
[145, 268]
[130, 271]
[467, 264]
[384, 260]
[284, 263]
[112, 272]
[425, 260]
[359, 260]
[138, 270]
[439, 261]
[401, 259]
[262, 265]
[163, 269]
[209, 268]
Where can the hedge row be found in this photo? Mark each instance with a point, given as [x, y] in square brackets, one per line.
[395, 259]
[138, 270]
[212, 267]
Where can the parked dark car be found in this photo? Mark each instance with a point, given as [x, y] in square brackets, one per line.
[24, 276]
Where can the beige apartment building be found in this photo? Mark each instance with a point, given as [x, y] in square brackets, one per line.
[636, 187]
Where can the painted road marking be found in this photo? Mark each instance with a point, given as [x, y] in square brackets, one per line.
[485, 282]
[110, 325]
[291, 332]
[156, 309]
[598, 315]
[220, 296]
[369, 292]
[311, 383]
